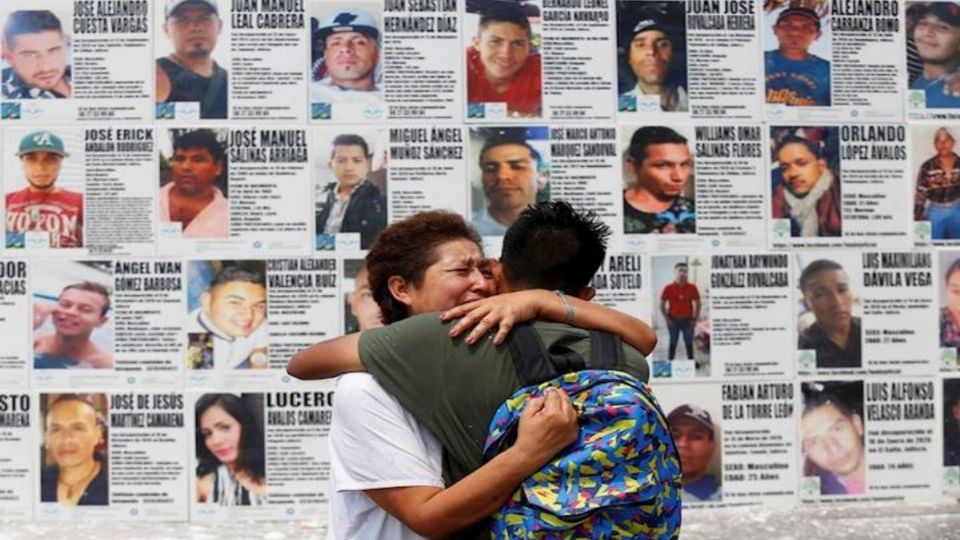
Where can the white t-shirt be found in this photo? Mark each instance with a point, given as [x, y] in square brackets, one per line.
[375, 443]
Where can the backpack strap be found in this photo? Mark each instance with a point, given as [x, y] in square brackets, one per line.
[530, 358]
[606, 350]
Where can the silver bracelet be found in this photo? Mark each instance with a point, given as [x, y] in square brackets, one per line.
[569, 312]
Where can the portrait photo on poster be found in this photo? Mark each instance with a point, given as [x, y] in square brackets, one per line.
[74, 454]
[699, 442]
[350, 187]
[831, 437]
[227, 299]
[72, 315]
[798, 52]
[194, 185]
[658, 179]
[503, 60]
[936, 197]
[360, 310]
[513, 171]
[806, 190]
[230, 451]
[345, 59]
[43, 189]
[189, 62]
[651, 57]
[828, 307]
[933, 53]
[37, 54]
[950, 300]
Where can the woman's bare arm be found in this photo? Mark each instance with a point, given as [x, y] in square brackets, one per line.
[505, 310]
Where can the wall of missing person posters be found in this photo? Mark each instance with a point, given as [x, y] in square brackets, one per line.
[191, 187]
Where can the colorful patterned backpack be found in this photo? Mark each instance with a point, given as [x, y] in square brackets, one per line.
[620, 479]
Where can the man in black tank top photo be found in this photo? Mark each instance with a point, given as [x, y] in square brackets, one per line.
[189, 73]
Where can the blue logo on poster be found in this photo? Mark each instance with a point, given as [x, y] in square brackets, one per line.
[166, 111]
[321, 111]
[10, 111]
[627, 104]
[326, 242]
[662, 368]
[476, 110]
[16, 240]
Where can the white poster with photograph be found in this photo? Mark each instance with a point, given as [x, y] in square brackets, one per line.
[238, 60]
[105, 323]
[112, 456]
[82, 61]
[839, 187]
[244, 319]
[868, 312]
[672, 56]
[75, 192]
[736, 442]
[838, 61]
[869, 440]
[260, 455]
[233, 190]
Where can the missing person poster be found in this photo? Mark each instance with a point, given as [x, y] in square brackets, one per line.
[833, 60]
[672, 56]
[117, 456]
[232, 190]
[839, 186]
[721, 315]
[86, 61]
[244, 319]
[72, 191]
[868, 440]
[736, 442]
[17, 447]
[108, 323]
[869, 312]
[690, 188]
[260, 455]
[237, 60]
[380, 60]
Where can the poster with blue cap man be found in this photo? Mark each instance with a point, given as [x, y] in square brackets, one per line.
[43, 210]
